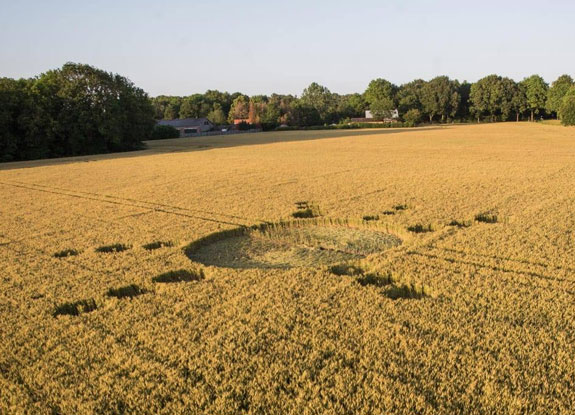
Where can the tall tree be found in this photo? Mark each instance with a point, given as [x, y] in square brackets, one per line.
[257, 108]
[284, 104]
[463, 110]
[216, 115]
[271, 114]
[223, 99]
[512, 99]
[194, 106]
[536, 93]
[356, 104]
[493, 95]
[409, 96]
[485, 96]
[160, 104]
[240, 108]
[440, 97]
[380, 96]
[518, 100]
[568, 108]
[570, 92]
[320, 98]
[77, 109]
[556, 93]
[303, 114]
[18, 117]
[96, 111]
[348, 106]
[172, 110]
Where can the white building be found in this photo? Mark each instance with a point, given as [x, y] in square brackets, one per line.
[394, 115]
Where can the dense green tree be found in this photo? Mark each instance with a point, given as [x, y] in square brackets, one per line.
[188, 108]
[556, 94]
[412, 117]
[77, 109]
[195, 106]
[17, 114]
[217, 116]
[536, 93]
[321, 99]
[172, 110]
[380, 96]
[348, 106]
[518, 100]
[493, 96]
[303, 115]
[160, 103]
[568, 109]
[440, 97]
[570, 92]
[223, 99]
[409, 96]
[485, 96]
[381, 110]
[497, 97]
[92, 111]
[284, 104]
[512, 99]
[356, 104]
[271, 114]
[463, 109]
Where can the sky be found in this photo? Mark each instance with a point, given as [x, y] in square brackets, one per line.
[259, 47]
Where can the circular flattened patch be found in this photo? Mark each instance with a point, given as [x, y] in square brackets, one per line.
[288, 246]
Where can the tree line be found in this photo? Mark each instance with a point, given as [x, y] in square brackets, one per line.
[492, 98]
[79, 109]
[316, 106]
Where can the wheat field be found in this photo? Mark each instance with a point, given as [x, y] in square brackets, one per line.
[103, 309]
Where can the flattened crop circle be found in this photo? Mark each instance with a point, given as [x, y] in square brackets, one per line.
[291, 244]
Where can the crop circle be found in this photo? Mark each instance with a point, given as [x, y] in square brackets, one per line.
[291, 244]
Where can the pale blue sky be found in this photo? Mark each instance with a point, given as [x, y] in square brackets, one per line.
[256, 46]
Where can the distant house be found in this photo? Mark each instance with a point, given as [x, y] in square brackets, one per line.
[189, 126]
[394, 116]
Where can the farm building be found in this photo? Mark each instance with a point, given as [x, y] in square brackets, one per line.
[394, 116]
[189, 126]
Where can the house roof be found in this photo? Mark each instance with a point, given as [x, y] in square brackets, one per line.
[184, 122]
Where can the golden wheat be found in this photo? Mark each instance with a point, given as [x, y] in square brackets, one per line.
[103, 312]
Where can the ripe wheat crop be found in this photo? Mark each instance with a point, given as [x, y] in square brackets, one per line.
[432, 271]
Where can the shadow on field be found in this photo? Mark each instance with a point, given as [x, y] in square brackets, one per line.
[269, 137]
[176, 145]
